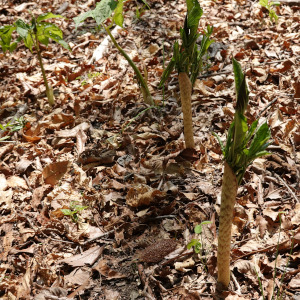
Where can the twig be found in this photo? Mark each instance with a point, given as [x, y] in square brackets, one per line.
[236, 284]
[296, 161]
[266, 107]
[229, 72]
[260, 250]
[286, 185]
[84, 43]
[98, 237]
[214, 74]
[178, 256]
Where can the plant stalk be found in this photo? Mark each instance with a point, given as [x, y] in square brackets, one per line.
[144, 87]
[228, 195]
[185, 87]
[49, 91]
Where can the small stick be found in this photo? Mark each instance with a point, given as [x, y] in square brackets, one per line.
[85, 42]
[266, 107]
[97, 237]
[286, 185]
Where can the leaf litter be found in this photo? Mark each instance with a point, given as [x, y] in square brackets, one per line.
[144, 193]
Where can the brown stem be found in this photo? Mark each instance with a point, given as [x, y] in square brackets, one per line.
[229, 191]
[185, 87]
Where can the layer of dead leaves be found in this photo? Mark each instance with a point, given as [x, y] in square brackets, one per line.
[134, 195]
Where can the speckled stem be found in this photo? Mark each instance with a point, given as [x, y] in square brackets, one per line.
[185, 87]
[229, 191]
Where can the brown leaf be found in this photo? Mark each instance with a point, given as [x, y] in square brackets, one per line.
[141, 194]
[52, 173]
[73, 132]
[17, 182]
[77, 276]
[103, 268]
[32, 134]
[262, 225]
[87, 257]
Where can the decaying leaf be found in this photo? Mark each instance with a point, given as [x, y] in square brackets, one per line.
[52, 173]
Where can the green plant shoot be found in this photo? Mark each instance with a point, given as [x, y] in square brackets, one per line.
[195, 243]
[33, 34]
[188, 57]
[74, 210]
[104, 10]
[187, 60]
[268, 5]
[10, 127]
[243, 145]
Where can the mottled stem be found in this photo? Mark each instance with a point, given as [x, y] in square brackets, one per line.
[228, 196]
[185, 87]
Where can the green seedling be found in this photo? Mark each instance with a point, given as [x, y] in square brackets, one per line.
[90, 76]
[269, 6]
[33, 34]
[102, 13]
[74, 210]
[141, 9]
[188, 61]
[10, 127]
[195, 243]
[243, 145]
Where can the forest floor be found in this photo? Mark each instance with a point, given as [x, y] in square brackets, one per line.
[131, 194]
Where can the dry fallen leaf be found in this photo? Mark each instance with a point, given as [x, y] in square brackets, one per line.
[103, 268]
[52, 173]
[87, 257]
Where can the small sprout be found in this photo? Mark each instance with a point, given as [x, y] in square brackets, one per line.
[269, 6]
[74, 210]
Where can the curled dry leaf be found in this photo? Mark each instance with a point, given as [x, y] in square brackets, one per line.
[103, 268]
[87, 257]
[142, 194]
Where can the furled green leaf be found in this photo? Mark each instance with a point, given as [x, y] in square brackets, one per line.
[194, 13]
[260, 139]
[229, 141]
[240, 87]
[251, 132]
[220, 143]
[167, 72]
[46, 16]
[240, 130]
[147, 5]
[118, 14]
